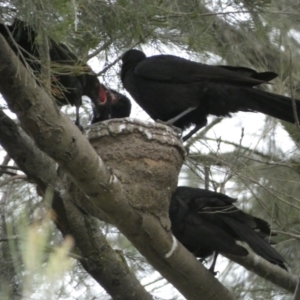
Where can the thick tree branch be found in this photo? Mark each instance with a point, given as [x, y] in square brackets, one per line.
[24, 152]
[57, 136]
[99, 259]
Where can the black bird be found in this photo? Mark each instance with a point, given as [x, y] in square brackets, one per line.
[112, 105]
[71, 78]
[206, 222]
[184, 93]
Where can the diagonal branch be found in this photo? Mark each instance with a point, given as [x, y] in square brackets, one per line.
[264, 269]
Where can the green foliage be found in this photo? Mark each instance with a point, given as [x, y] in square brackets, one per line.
[31, 265]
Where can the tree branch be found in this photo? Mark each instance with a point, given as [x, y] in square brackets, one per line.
[99, 259]
[15, 177]
[266, 270]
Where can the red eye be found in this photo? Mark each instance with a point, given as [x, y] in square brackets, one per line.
[102, 95]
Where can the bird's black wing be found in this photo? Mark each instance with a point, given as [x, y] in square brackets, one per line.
[199, 199]
[169, 68]
[198, 235]
[206, 210]
[257, 243]
[214, 206]
[247, 72]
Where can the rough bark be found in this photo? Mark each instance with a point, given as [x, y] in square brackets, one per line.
[146, 159]
[21, 148]
[98, 258]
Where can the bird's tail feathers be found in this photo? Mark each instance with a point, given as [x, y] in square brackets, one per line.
[274, 105]
[257, 243]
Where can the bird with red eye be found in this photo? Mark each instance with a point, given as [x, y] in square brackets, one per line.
[111, 105]
[70, 78]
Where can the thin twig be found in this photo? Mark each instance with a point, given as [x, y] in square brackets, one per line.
[96, 52]
[119, 57]
[296, 236]
[206, 176]
[4, 182]
[202, 133]
[292, 92]
[297, 291]
[8, 173]
[109, 65]
[9, 167]
[4, 163]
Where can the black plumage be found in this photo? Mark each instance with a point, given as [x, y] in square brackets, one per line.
[206, 222]
[113, 105]
[167, 86]
[70, 78]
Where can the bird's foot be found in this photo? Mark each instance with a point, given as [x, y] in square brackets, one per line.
[79, 126]
[215, 273]
[211, 269]
[178, 117]
[203, 260]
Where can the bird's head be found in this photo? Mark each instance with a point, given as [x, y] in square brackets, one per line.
[133, 55]
[111, 105]
[130, 60]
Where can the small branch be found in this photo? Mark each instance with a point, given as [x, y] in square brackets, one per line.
[296, 236]
[96, 52]
[6, 160]
[266, 270]
[273, 161]
[8, 173]
[206, 177]
[6, 181]
[109, 65]
[176, 15]
[118, 59]
[292, 93]
[154, 281]
[297, 291]
[43, 47]
[202, 133]
[9, 167]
